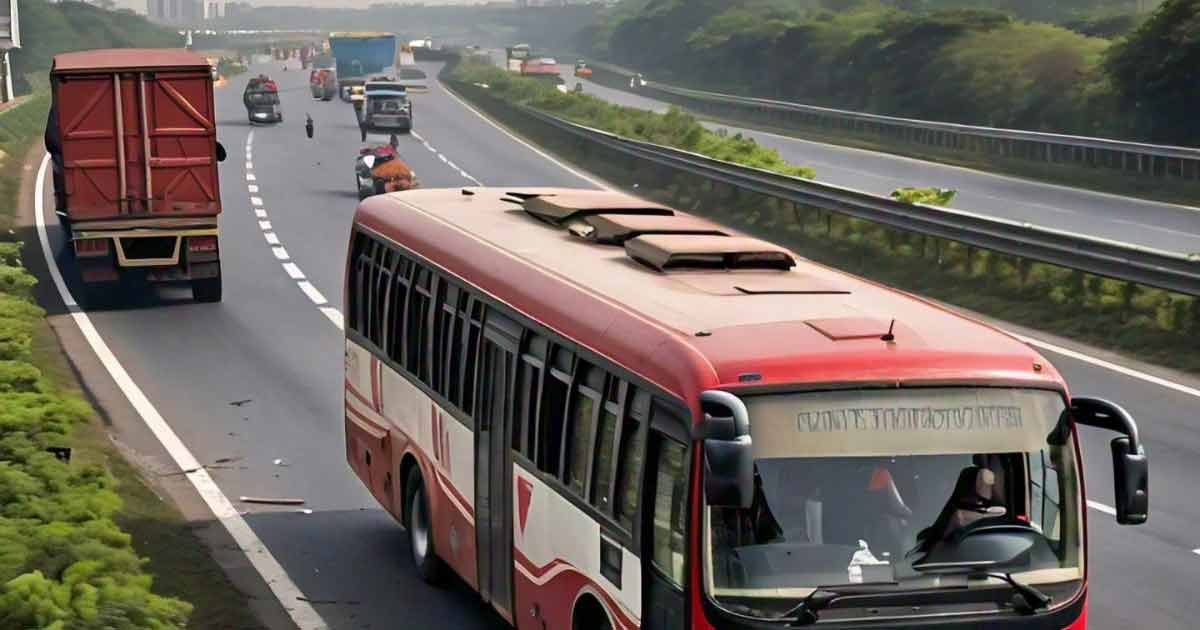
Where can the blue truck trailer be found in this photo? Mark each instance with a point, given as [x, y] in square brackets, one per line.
[359, 55]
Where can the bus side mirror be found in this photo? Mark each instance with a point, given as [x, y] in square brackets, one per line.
[728, 451]
[1131, 467]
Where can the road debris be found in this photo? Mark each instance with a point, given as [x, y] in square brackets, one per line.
[239, 403]
[280, 462]
[304, 511]
[272, 500]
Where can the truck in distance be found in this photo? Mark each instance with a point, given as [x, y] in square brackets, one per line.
[132, 135]
[359, 55]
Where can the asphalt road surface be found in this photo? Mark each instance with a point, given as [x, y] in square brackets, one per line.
[274, 342]
[1147, 223]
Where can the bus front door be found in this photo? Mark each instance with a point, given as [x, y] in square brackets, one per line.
[493, 466]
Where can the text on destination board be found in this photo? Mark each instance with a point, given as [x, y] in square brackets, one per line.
[911, 419]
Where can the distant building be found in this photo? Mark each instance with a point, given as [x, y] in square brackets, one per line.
[176, 12]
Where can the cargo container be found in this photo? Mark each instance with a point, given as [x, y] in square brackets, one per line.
[132, 134]
[360, 55]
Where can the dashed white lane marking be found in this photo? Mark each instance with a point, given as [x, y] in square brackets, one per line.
[334, 316]
[293, 271]
[443, 158]
[312, 292]
[249, 165]
[260, 557]
[1196, 551]
[1100, 507]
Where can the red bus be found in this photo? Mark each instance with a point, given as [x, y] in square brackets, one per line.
[604, 413]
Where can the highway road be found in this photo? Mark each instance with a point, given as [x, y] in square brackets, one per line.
[274, 346]
[1147, 223]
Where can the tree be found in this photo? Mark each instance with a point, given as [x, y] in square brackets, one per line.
[1155, 71]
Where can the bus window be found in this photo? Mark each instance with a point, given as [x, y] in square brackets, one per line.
[397, 299]
[552, 410]
[606, 437]
[418, 323]
[630, 456]
[471, 337]
[583, 421]
[529, 375]
[670, 510]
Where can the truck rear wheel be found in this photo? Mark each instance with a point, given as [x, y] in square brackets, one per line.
[207, 289]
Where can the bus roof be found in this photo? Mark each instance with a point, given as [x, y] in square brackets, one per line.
[684, 307]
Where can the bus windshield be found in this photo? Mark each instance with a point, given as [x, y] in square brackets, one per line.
[874, 487]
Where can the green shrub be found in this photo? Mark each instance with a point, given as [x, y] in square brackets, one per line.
[674, 128]
[928, 196]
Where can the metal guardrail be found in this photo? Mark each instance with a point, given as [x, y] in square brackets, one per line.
[1143, 158]
[1132, 263]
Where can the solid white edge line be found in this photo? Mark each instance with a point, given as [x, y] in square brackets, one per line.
[312, 293]
[334, 316]
[280, 253]
[1100, 507]
[293, 271]
[521, 142]
[271, 238]
[249, 139]
[260, 557]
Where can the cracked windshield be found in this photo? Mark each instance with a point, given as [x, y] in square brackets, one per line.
[599, 314]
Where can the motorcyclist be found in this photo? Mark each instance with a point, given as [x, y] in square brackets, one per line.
[389, 171]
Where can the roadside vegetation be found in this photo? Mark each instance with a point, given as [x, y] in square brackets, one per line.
[674, 128]
[1101, 70]
[64, 562]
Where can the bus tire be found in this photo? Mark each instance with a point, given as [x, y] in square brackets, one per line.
[207, 289]
[589, 615]
[420, 532]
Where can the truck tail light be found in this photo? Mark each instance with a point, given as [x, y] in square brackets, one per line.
[202, 244]
[91, 247]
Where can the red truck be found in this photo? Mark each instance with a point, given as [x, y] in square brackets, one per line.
[132, 135]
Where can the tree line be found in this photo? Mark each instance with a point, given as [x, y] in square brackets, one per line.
[1103, 69]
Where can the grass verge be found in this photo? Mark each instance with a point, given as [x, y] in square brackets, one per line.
[82, 535]
[1157, 326]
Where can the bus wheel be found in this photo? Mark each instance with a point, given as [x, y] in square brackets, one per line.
[420, 532]
[207, 289]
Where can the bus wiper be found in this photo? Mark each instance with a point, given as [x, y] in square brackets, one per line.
[1031, 599]
[808, 610]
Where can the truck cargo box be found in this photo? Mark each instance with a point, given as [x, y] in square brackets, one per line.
[137, 134]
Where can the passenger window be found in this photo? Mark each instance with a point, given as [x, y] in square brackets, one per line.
[443, 323]
[529, 383]
[471, 334]
[630, 456]
[582, 424]
[418, 323]
[670, 509]
[397, 299]
[552, 412]
[605, 445]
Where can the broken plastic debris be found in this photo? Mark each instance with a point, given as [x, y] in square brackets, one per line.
[272, 500]
[304, 511]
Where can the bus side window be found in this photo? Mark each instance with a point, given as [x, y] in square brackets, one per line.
[471, 335]
[669, 521]
[397, 302]
[381, 278]
[585, 405]
[630, 455]
[417, 322]
[530, 371]
[552, 411]
[606, 444]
